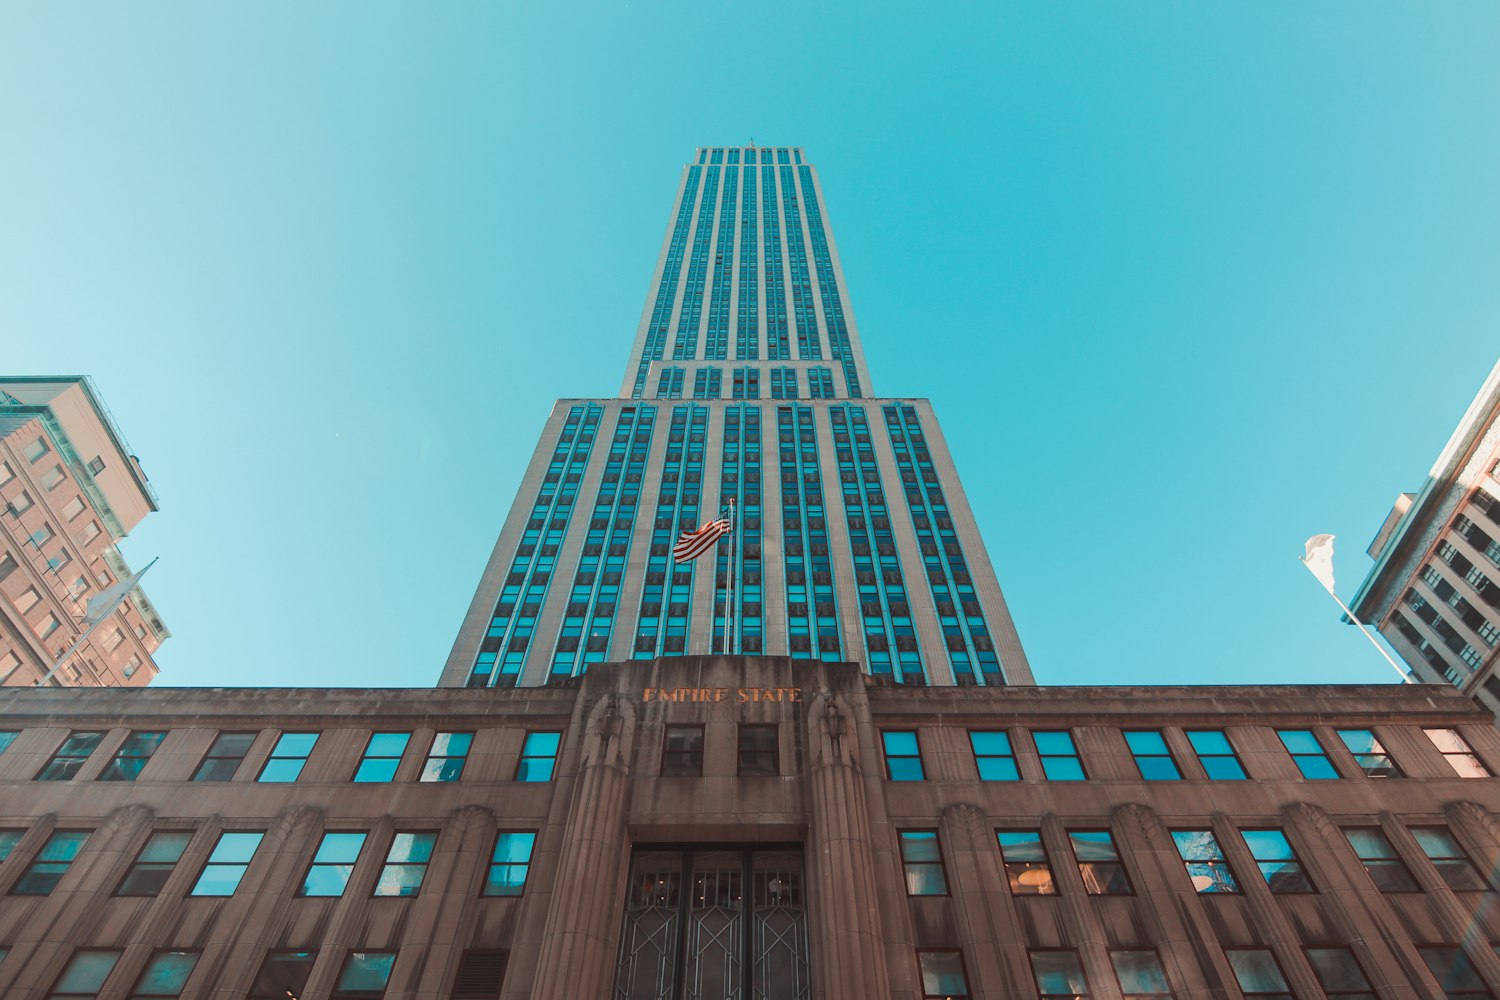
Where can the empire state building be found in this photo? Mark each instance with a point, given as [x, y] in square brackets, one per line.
[746, 384]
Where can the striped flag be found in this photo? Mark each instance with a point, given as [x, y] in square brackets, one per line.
[692, 544]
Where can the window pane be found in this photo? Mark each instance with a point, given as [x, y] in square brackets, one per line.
[1058, 973]
[87, 972]
[901, 743]
[1336, 969]
[366, 971]
[284, 974]
[1452, 969]
[1256, 970]
[943, 974]
[387, 744]
[1139, 972]
[990, 743]
[166, 974]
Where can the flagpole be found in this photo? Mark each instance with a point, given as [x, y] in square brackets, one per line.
[98, 619]
[732, 620]
[1405, 676]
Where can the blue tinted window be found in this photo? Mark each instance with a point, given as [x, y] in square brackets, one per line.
[1216, 755]
[1060, 760]
[445, 762]
[1307, 753]
[510, 864]
[903, 758]
[333, 864]
[538, 757]
[288, 757]
[993, 756]
[382, 756]
[1152, 757]
[227, 864]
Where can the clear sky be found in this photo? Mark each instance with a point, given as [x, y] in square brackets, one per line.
[1187, 283]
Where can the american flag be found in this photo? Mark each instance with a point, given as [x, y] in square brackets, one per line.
[692, 544]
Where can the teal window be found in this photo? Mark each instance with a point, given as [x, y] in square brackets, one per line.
[943, 975]
[445, 761]
[405, 864]
[288, 757]
[153, 866]
[1449, 859]
[1339, 974]
[85, 975]
[165, 975]
[328, 875]
[283, 974]
[1099, 863]
[51, 864]
[922, 862]
[509, 864]
[538, 756]
[1027, 867]
[130, 759]
[993, 755]
[1277, 861]
[903, 756]
[1140, 974]
[364, 975]
[1380, 860]
[1060, 761]
[226, 864]
[1369, 753]
[1216, 755]
[224, 757]
[1258, 974]
[1308, 754]
[75, 750]
[1152, 758]
[1058, 973]
[1204, 860]
[381, 757]
[8, 841]
[1454, 971]
[7, 736]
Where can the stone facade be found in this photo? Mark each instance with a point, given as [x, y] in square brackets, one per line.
[825, 800]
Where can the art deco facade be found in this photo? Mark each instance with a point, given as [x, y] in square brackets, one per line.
[1434, 591]
[70, 489]
[746, 383]
[749, 827]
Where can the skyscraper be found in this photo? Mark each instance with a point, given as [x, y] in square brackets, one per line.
[746, 384]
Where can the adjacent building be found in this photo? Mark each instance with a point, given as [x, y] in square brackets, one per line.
[1434, 591]
[746, 386]
[70, 489]
[734, 827]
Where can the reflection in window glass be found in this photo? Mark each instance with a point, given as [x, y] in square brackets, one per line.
[1449, 859]
[223, 758]
[1307, 753]
[1059, 973]
[1369, 753]
[922, 860]
[1258, 974]
[332, 865]
[1026, 866]
[1339, 974]
[1453, 971]
[538, 757]
[1277, 862]
[509, 865]
[1099, 863]
[51, 864]
[1140, 974]
[445, 761]
[75, 750]
[165, 975]
[405, 864]
[154, 865]
[364, 975]
[1204, 860]
[86, 973]
[943, 976]
[1381, 861]
[284, 974]
[1456, 750]
[130, 759]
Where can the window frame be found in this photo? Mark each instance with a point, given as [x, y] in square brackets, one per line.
[39, 860]
[210, 863]
[1467, 751]
[1290, 863]
[1299, 757]
[339, 992]
[311, 958]
[1448, 864]
[1368, 993]
[1219, 862]
[920, 865]
[495, 863]
[141, 865]
[1232, 756]
[1165, 754]
[1160, 968]
[980, 759]
[137, 994]
[963, 969]
[60, 759]
[1036, 977]
[371, 769]
[316, 866]
[528, 760]
[57, 993]
[404, 863]
[1047, 758]
[209, 757]
[1392, 862]
[916, 755]
[674, 762]
[1286, 990]
[1024, 866]
[1377, 749]
[1463, 959]
[446, 758]
[116, 761]
[1118, 862]
[277, 760]
[752, 753]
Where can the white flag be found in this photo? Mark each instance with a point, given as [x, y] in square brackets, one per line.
[103, 604]
[1319, 559]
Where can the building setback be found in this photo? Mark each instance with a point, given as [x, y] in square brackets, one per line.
[750, 827]
[1434, 591]
[746, 385]
[70, 489]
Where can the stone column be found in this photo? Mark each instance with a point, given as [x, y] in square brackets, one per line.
[848, 954]
[584, 907]
[442, 915]
[1086, 931]
[988, 927]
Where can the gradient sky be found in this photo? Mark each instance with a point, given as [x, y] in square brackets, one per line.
[1186, 282]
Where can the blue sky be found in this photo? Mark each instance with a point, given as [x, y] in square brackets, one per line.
[1186, 282]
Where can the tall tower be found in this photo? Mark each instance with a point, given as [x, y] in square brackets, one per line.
[746, 382]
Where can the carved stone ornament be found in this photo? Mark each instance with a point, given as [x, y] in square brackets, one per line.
[610, 729]
[834, 740]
